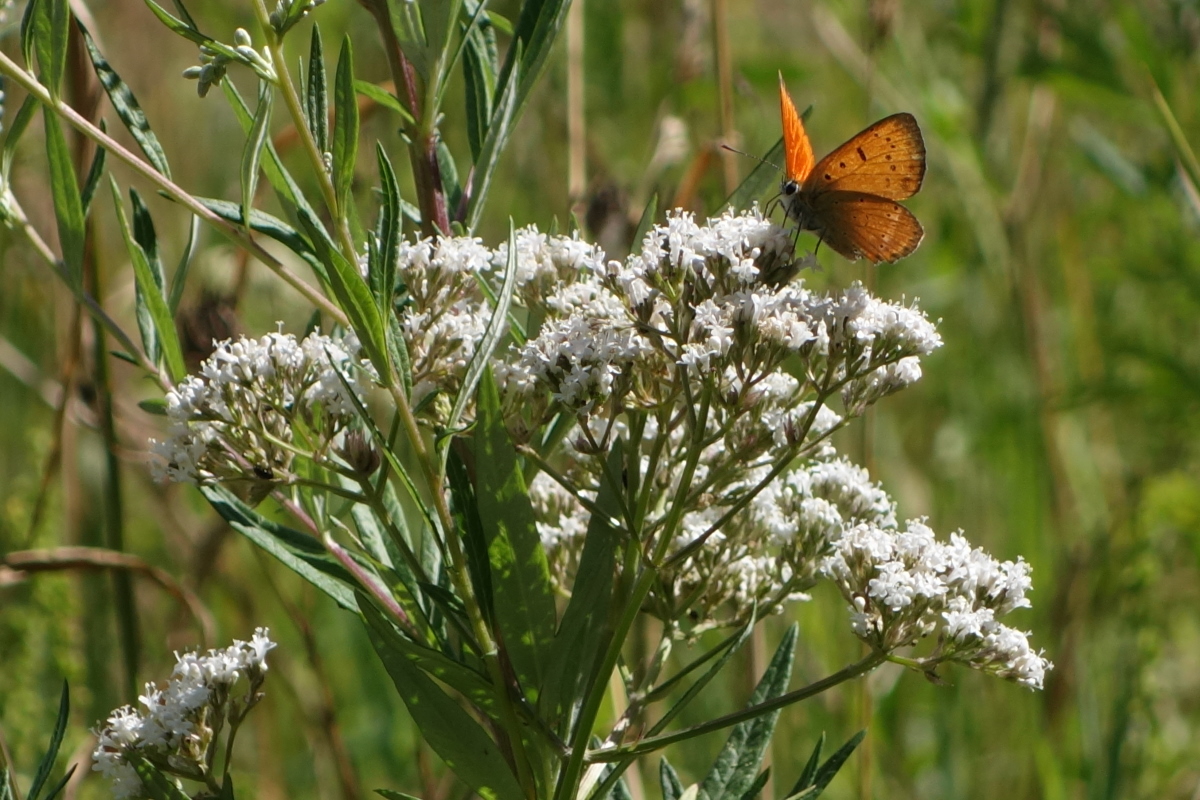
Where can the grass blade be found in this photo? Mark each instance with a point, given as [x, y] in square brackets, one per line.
[56, 739]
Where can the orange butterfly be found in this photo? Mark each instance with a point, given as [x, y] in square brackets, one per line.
[849, 197]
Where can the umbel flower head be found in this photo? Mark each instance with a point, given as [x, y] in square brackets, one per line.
[255, 404]
[176, 729]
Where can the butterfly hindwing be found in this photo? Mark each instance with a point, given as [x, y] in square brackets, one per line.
[886, 159]
[861, 225]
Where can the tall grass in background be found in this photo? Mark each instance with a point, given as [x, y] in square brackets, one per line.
[1061, 209]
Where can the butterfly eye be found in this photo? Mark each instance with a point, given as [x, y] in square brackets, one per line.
[790, 188]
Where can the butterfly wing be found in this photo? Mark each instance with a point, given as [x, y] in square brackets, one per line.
[860, 225]
[887, 159]
[797, 148]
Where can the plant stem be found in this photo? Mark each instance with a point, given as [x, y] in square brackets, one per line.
[860, 667]
[316, 158]
[234, 232]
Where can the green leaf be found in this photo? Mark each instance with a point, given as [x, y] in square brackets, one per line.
[584, 632]
[672, 787]
[345, 128]
[316, 96]
[28, 30]
[445, 726]
[461, 678]
[29, 107]
[537, 28]
[297, 551]
[252, 153]
[758, 785]
[179, 279]
[95, 172]
[155, 405]
[188, 30]
[492, 335]
[822, 777]
[281, 180]
[383, 98]
[498, 130]
[56, 739]
[480, 66]
[810, 768]
[449, 173]
[646, 222]
[49, 29]
[390, 794]
[524, 602]
[158, 786]
[268, 225]
[68, 205]
[151, 301]
[126, 105]
[390, 232]
[353, 295]
[737, 764]
[147, 240]
[466, 517]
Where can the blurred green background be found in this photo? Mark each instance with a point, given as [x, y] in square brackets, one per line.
[1059, 422]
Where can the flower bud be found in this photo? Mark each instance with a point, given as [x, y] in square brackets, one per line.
[360, 454]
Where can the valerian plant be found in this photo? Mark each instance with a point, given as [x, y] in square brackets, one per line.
[500, 457]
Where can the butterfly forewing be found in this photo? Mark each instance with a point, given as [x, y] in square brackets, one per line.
[886, 159]
[796, 146]
[862, 225]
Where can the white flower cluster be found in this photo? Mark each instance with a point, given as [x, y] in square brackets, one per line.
[174, 731]
[702, 297]
[238, 419]
[904, 585]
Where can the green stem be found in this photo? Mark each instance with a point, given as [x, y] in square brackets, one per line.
[861, 667]
[233, 231]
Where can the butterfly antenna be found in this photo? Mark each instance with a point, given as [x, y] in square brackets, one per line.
[751, 155]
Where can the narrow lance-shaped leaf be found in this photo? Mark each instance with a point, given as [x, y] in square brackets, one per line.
[345, 128]
[352, 294]
[51, 25]
[524, 602]
[813, 781]
[68, 204]
[390, 224]
[672, 787]
[29, 107]
[503, 118]
[492, 335]
[157, 785]
[95, 172]
[151, 297]
[29, 32]
[252, 154]
[179, 278]
[126, 105]
[147, 240]
[646, 222]
[297, 551]
[56, 739]
[736, 767]
[445, 726]
[316, 100]
[584, 631]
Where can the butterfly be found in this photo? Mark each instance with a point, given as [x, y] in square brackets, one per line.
[849, 197]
